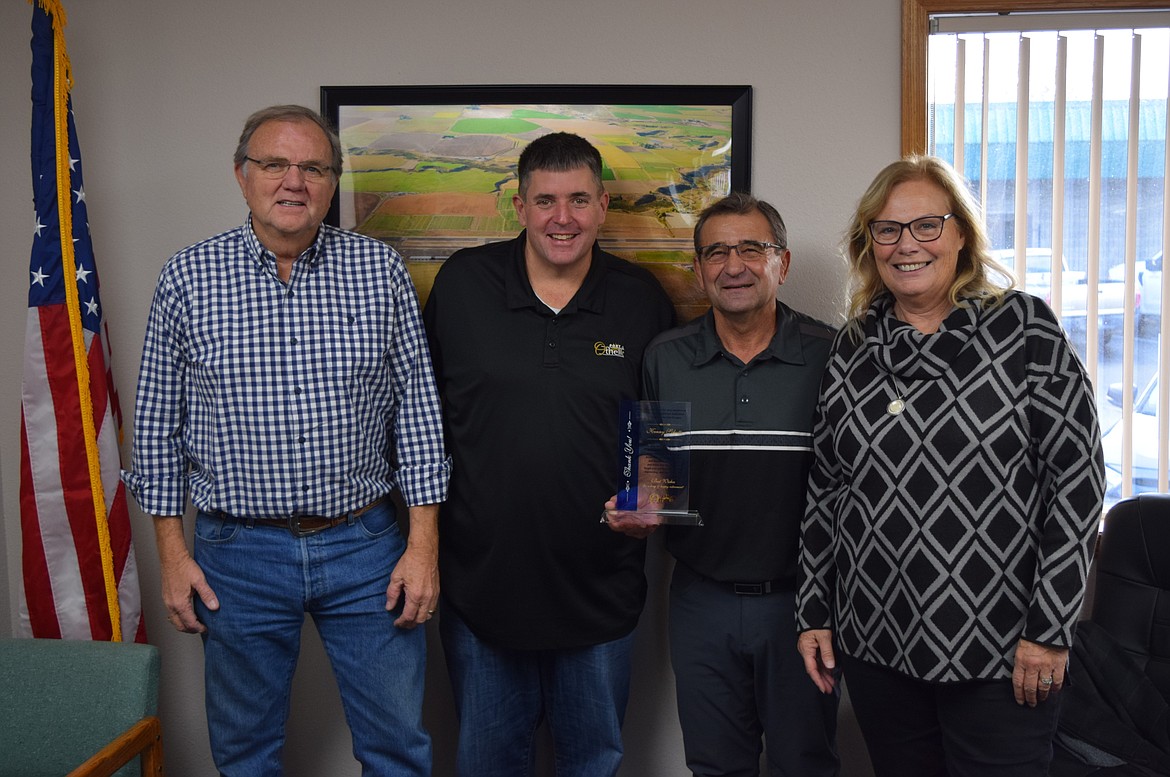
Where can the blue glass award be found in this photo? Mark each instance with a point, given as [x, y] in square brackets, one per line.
[654, 463]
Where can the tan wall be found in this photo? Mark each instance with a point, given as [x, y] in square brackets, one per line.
[163, 87]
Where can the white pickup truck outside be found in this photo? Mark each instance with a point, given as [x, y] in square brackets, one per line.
[1074, 290]
[1150, 284]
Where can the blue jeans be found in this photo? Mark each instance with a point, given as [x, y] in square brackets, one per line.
[501, 697]
[266, 580]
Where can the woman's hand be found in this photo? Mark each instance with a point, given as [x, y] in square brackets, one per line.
[816, 647]
[1039, 671]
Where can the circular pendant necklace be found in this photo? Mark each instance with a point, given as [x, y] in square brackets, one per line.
[898, 403]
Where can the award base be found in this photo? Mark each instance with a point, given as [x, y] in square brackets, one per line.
[652, 517]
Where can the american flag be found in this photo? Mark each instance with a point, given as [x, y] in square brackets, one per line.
[80, 577]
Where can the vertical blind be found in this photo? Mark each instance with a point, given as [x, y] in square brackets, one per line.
[1062, 133]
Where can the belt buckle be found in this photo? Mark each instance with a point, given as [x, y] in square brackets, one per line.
[749, 589]
[294, 526]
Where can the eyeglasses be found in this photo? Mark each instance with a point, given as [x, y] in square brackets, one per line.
[925, 230]
[277, 168]
[748, 250]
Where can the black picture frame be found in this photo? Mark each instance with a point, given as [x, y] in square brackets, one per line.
[422, 159]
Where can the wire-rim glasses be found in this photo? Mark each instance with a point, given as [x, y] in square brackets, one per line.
[748, 250]
[278, 168]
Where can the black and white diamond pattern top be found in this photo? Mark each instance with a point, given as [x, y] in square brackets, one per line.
[936, 537]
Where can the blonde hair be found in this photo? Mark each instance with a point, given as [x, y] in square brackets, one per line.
[972, 276]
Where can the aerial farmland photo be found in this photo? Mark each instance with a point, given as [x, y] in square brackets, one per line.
[430, 179]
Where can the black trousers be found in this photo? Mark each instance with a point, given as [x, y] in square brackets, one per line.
[914, 728]
[741, 684]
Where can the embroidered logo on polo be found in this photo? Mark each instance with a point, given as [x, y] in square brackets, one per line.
[609, 349]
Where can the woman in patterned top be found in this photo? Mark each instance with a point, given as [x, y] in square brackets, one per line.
[955, 496]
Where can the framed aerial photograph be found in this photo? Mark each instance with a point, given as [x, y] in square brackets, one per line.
[432, 169]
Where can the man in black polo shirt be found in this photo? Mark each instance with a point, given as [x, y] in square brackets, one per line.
[751, 369]
[535, 342]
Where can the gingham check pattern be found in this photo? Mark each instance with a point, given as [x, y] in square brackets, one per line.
[268, 399]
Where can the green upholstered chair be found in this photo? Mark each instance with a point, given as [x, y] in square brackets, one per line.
[78, 708]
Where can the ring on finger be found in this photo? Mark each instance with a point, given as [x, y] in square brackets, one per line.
[1046, 681]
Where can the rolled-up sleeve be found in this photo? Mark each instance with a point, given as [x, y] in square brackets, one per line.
[158, 474]
[424, 469]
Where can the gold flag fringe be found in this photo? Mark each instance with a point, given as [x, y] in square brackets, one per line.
[63, 84]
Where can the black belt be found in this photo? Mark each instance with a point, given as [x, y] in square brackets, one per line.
[684, 572]
[304, 525]
[756, 589]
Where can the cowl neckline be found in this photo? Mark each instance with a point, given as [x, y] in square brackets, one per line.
[901, 350]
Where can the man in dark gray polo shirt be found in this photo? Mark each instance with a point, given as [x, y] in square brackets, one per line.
[535, 342]
[751, 369]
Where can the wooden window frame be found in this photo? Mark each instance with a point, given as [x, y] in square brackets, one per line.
[916, 35]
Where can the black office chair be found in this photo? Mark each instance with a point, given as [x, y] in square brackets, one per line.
[1115, 719]
[1132, 600]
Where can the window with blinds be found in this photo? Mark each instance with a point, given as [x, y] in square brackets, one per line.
[1060, 124]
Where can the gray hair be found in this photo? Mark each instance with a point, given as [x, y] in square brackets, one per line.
[742, 204]
[293, 113]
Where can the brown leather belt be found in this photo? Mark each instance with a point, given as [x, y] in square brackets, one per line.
[304, 525]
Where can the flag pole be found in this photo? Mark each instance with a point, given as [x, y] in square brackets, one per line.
[62, 84]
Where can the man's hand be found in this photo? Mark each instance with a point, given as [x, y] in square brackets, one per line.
[816, 647]
[182, 578]
[415, 578]
[1039, 671]
[632, 524]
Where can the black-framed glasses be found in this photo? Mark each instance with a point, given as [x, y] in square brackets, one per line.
[748, 250]
[277, 168]
[925, 230]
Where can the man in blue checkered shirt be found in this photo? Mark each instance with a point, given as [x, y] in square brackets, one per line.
[287, 386]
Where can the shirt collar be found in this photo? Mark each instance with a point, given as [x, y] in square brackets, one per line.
[786, 344]
[518, 289]
[309, 258]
